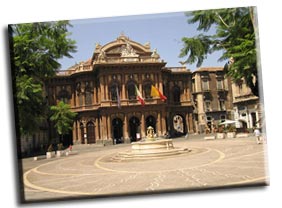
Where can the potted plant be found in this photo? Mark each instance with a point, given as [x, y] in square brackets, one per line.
[49, 151]
[59, 149]
[231, 132]
[220, 133]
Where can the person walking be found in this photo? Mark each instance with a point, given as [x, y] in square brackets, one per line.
[257, 135]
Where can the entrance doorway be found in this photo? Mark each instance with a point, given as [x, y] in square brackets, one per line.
[82, 133]
[254, 119]
[151, 121]
[134, 128]
[117, 130]
[90, 133]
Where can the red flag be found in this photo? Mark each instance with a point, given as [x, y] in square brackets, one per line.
[139, 96]
[118, 98]
[156, 93]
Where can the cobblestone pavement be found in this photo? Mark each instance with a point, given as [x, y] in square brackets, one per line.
[92, 173]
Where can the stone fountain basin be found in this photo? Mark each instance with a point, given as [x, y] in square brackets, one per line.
[150, 149]
[160, 144]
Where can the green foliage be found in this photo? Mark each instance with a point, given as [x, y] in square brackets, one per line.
[38, 46]
[34, 50]
[63, 117]
[30, 103]
[235, 33]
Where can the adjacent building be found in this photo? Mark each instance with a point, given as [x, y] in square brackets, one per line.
[246, 106]
[212, 96]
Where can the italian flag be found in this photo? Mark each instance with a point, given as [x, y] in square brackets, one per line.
[139, 96]
[156, 93]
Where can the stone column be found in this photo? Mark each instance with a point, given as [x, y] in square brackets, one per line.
[94, 95]
[143, 130]
[101, 128]
[109, 129]
[140, 89]
[106, 88]
[74, 132]
[125, 127]
[123, 91]
[102, 89]
[72, 97]
[163, 123]
[98, 95]
[104, 127]
[97, 129]
[187, 122]
[78, 133]
[159, 125]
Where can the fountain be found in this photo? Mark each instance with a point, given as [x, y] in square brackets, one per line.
[151, 147]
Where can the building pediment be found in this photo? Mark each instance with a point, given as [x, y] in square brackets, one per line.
[124, 50]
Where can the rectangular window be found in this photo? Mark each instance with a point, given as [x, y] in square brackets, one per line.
[222, 118]
[208, 105]
[219, 84]
[222, 105]
[205, 85]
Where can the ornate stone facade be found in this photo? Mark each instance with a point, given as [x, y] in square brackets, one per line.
[102, 90]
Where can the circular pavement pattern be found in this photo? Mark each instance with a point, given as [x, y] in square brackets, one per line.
[91, 173]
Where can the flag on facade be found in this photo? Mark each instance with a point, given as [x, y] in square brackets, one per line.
[118, 98]
[139, 96]
[156, 93]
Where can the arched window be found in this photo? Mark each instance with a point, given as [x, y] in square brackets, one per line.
[147, 89]
[64, 95]
[80, 99]
[151, 121]
[82, 133]
[114, 89]
[176, 94]
[79, 94]
[131, 91]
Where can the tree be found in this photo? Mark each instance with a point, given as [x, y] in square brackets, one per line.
[235, 34]
[62, 117]
[34, 51]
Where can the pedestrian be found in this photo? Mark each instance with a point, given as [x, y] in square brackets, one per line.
[257, 135]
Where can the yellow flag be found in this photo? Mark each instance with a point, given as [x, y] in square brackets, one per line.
[154, 92]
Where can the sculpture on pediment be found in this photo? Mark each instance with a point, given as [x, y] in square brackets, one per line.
[128, 51]
[102, 56]
[155, 54]
[147, 45]
[97, 46]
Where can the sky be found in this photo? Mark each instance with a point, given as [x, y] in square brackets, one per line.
[164, 31]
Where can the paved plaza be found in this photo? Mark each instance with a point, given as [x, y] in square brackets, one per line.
[92, 172]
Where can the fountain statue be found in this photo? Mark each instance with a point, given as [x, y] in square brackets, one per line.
[151, 147]
[150, 134]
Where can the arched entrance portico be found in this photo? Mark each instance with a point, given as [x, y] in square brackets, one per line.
[151, 121]
[90, 133]
[134, 128]
[117, 130]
